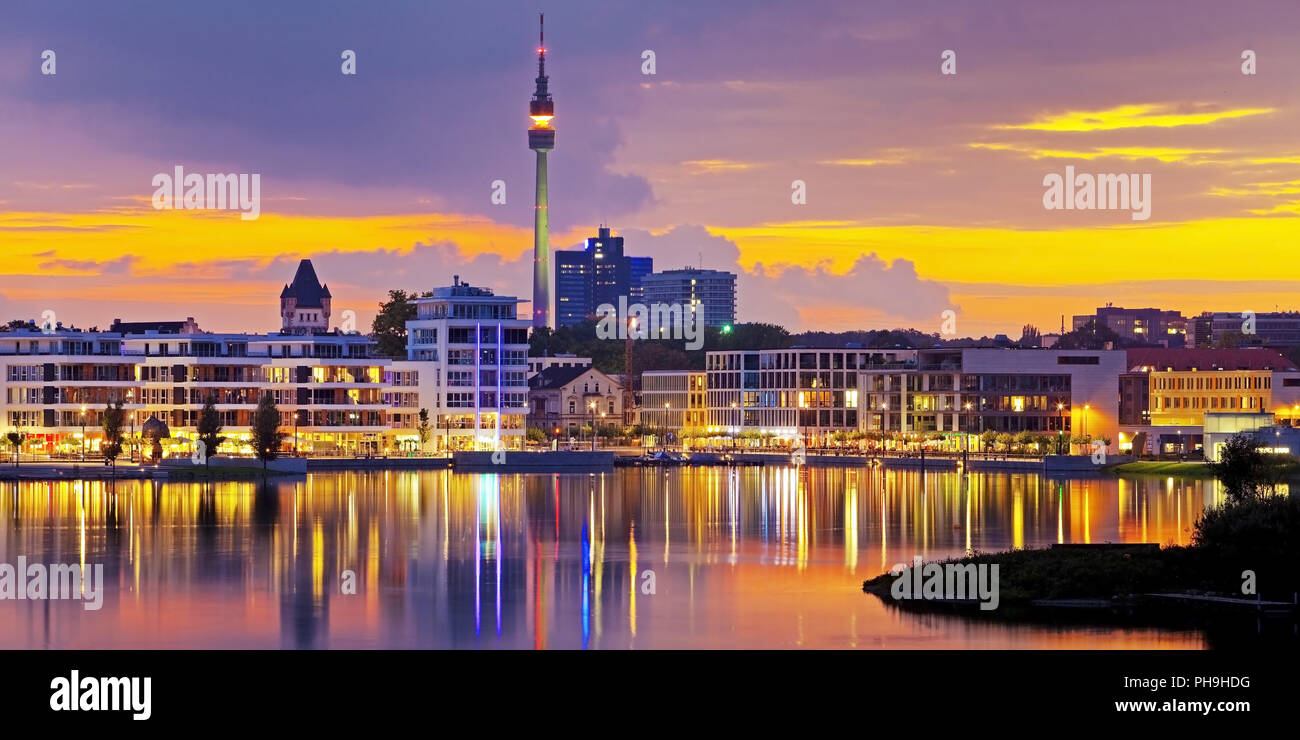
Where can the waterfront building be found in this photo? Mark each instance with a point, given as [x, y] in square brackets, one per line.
[467, 349]
[807, 392]
[973, 390]
[569, 398]
[673, 400]
[1183, 385]
[466, 365]
[328, 387]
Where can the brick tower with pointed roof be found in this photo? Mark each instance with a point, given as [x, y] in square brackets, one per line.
[305, 303]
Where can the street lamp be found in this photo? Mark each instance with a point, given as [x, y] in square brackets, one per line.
[734, 422]
[968, 425]
[1060, 427]
[130, 400]
[592, 406]
[664, 442]
[83, 433]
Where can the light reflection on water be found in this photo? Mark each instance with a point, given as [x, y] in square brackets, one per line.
[742, 558]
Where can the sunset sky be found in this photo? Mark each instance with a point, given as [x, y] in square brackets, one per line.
[924, 191]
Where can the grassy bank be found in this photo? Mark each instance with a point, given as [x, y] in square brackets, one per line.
[1160, 467]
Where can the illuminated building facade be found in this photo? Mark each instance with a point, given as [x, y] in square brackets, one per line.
[467, 361]
[1145, 325]
[1183, 386]
[805, 392]
[569, 398]
[598, 274]
[711, 292]
[673, 399]
[328, 387]
[1004, 390]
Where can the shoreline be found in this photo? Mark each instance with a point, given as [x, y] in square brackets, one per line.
[586, 461]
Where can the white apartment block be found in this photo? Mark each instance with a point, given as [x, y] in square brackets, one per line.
[467, 359]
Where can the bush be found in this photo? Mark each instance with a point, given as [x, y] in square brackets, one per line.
[1245, 471]
[1261, 534]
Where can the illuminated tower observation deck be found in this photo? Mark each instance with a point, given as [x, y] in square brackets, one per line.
[541, 139]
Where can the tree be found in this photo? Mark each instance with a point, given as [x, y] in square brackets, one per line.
[112, 426]
[209, 429]
[536, 435]
[15, 440]
[987, 438]
[389, 326]
[1005, 440]
[423, 428]
[1030, 337]
[266, 430]
[1025, 439]
[1243, 468]
[1089, 336]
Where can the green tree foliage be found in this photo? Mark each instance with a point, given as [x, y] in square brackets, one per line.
[15, 440]
[389, 326]
[424, 429]
[267, 436]
[209, 429]
[1089, 336]
[112, 427]
[1245, 471]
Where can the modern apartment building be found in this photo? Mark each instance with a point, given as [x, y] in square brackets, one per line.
[806, 392]
[1004, 390]
[467, 357]
[673, 399]
[467, 365]
[711, 292]
[328, 387]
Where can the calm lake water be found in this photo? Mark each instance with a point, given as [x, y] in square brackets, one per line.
[741, 558]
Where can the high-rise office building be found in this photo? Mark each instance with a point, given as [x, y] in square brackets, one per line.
[712, 292]
[598, 274]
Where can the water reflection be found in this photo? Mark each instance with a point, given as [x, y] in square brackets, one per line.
[753, 557]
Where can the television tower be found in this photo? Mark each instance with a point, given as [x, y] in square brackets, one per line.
[541, 139]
